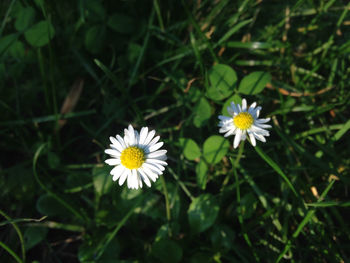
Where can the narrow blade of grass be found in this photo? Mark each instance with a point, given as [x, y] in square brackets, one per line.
[274, 166]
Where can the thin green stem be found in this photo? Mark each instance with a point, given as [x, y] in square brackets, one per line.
[118, 227]
[18, 231]
[166, 196]
[65, 204]
[306, 219]
[10, 251]
[182, 185]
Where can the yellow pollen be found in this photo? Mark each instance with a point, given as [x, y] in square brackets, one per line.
[243, 120]
[132, 157]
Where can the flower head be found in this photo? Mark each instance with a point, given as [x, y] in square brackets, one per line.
[136, 157]
[244, 121]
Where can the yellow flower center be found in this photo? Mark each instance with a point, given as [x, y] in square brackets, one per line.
[132, 157]
[243, 120]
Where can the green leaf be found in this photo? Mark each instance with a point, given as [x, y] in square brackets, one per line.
[95, 38]
[202, 113]
[102, 180]
[222, 82]
[17, 50]
[202, 212]
[33, 236]
[202, 176]
[6, 42]
[87, 251]
[40, 34]
[235, 98]
[215, 148]
[47, 205]
[190, 148]
[25, 18]
[222, 236]
[121, 23]
[53, 160]
[254, 83]
[167, 250]
[248, 205]
[274, 165]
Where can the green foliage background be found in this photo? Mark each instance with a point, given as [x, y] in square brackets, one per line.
[73, 73]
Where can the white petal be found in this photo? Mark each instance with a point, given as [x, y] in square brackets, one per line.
[116, 144]
[155, 147]
[156, 154]
[258, 130]
[124, 176]
[131, 135]
[153, 176]
[252, 138]
[225, 129]
[154, 141]
[139, 180]
[153, 168]
[252, 106]
[144, 177]
[112, 152]
[234, 107]
[121, 141]
[224, 118]
[156, 161]
[119, 174]
[260, 137]
[143, 135]
[262, 120]
[244, 105]
[266, 126]
[117, 170]
[137, 137]
[159, 167]
[149, 137]
[232, 131]
[237, 138]
[230, 110]
[112, 161]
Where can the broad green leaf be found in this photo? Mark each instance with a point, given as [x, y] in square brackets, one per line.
[49, 206]
[25, 18]
[121, 23]
[40, 34]
[6, 42]
[215, 148]
[222, 80]
[202, 113]
[95, 10]
[190, 148]
[254, 83]
[95, 38]
[102, 180]
[202, 176]
[167, 251]
[53, 160]
[17, 50]
[235, 98]
[222, 236]
[33, 236]
[202, 212]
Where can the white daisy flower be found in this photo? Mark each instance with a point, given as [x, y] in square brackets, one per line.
[244, 121]
[136, 157]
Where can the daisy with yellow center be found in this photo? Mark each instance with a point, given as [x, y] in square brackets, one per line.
[244, 121]
[136, 157]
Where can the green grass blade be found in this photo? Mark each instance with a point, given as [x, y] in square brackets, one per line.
[274, 166]
[10, 251]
